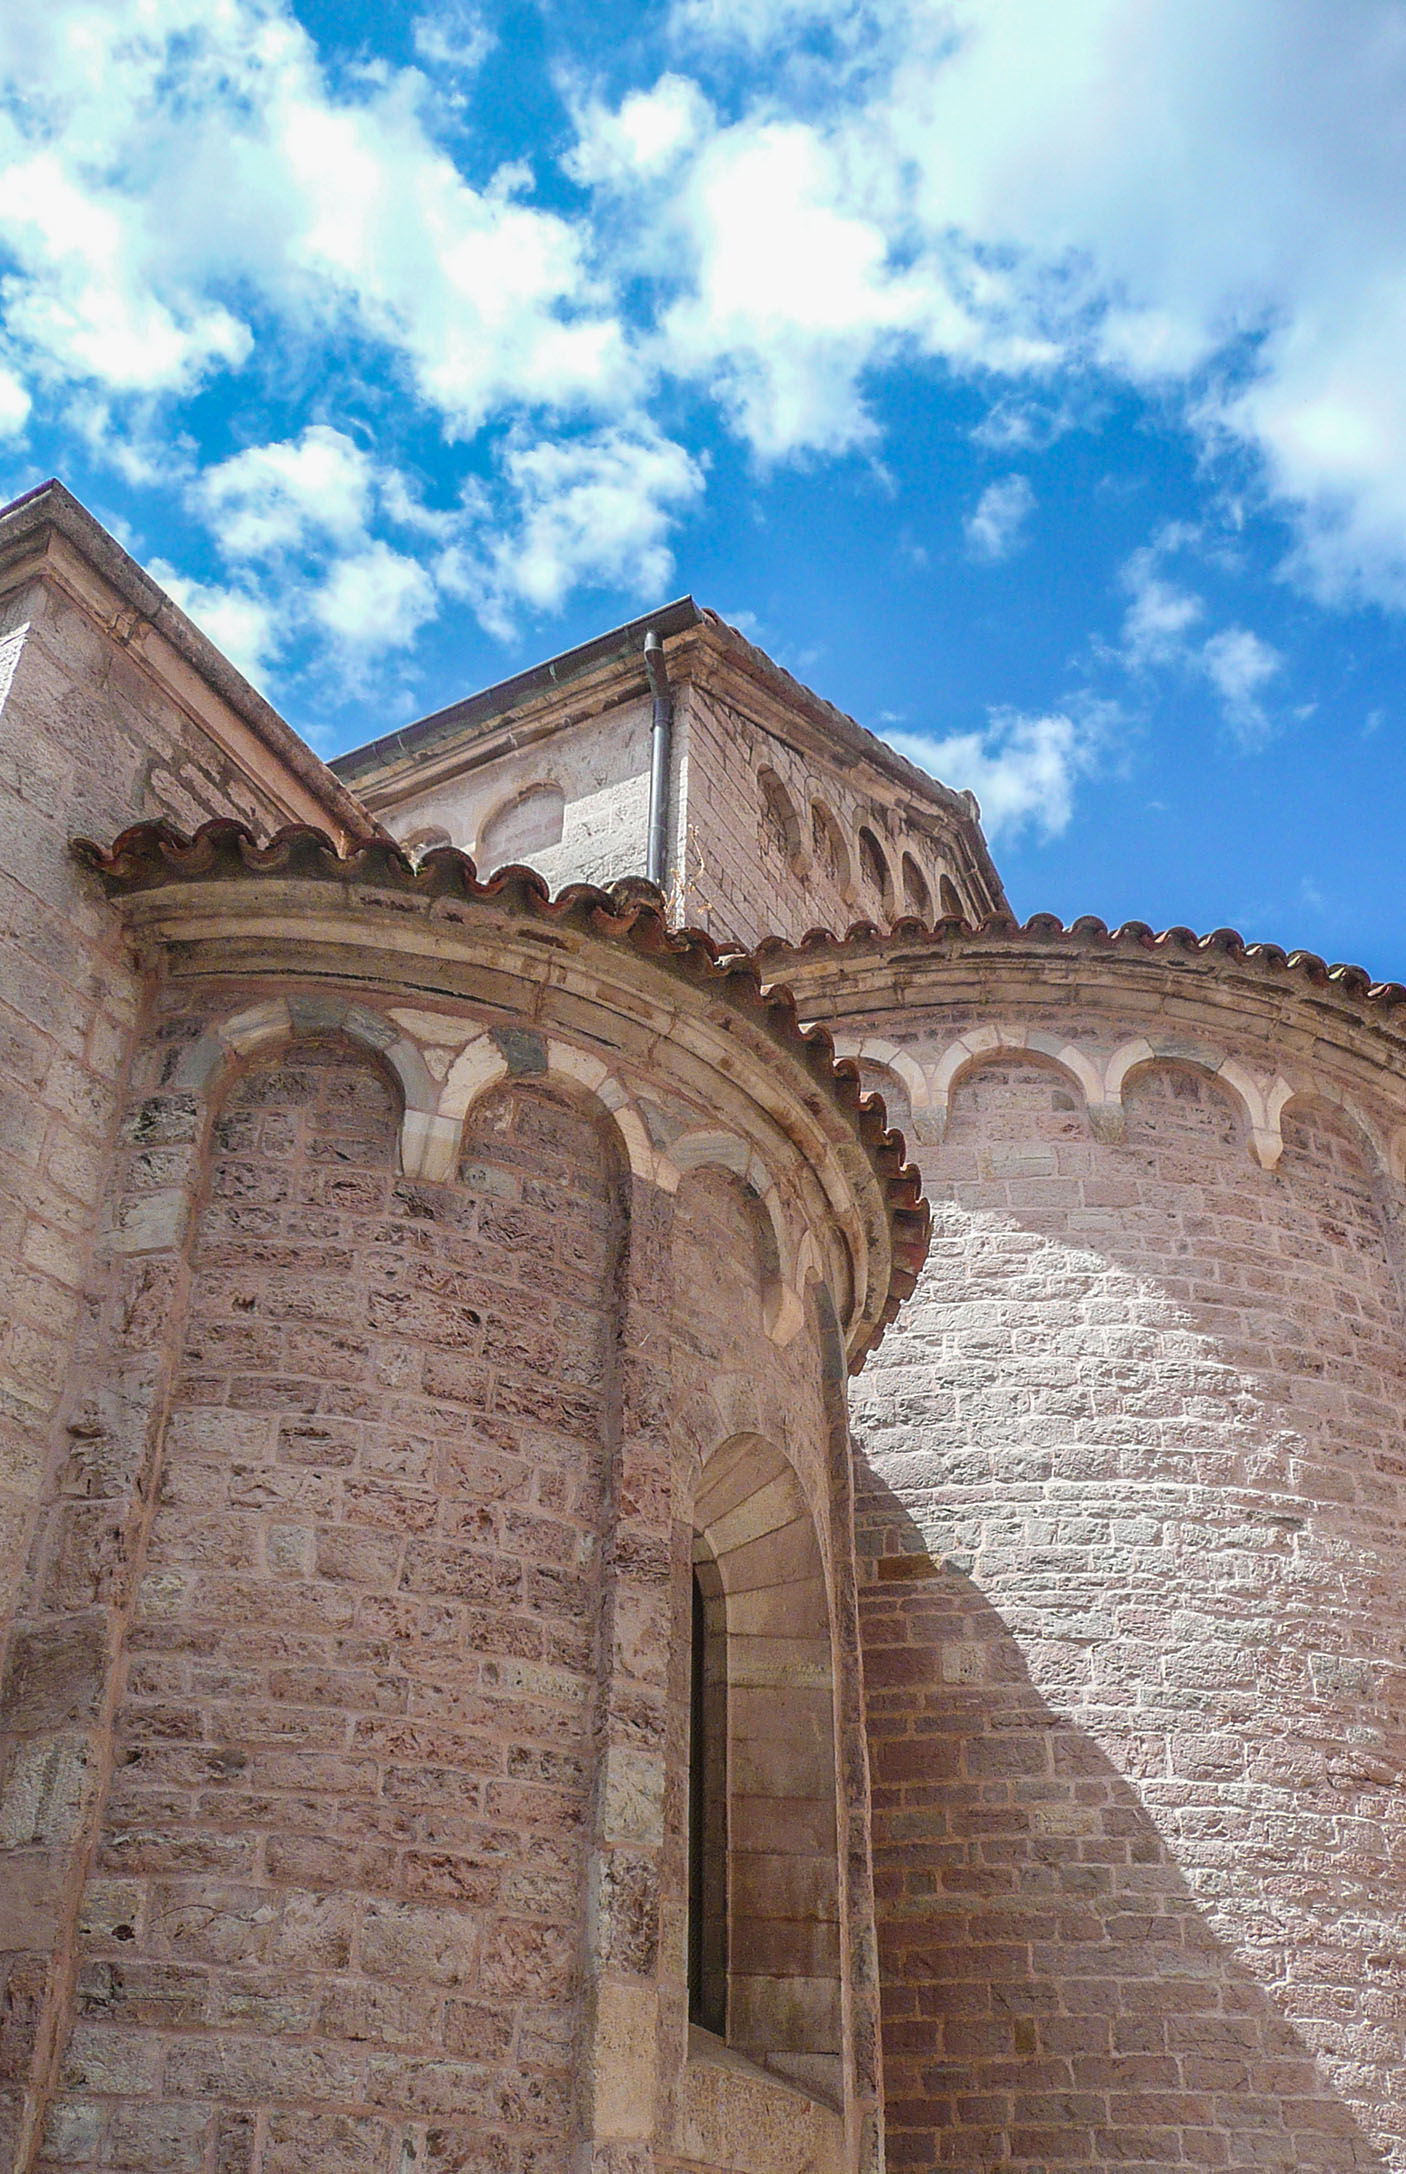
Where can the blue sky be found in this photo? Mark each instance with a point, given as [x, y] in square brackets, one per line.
[1027, 378]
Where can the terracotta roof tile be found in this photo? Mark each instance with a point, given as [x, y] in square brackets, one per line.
[630, 913]
[1088, 934]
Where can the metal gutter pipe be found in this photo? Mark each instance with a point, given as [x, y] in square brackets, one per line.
[660, 749]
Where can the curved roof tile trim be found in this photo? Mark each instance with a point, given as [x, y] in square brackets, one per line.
[630, 913]
[1090, 934]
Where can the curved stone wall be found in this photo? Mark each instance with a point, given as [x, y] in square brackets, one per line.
[1132, 1468]
[339, 1875]
[344, 1737]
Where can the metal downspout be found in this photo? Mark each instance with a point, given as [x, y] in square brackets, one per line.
[660, 750]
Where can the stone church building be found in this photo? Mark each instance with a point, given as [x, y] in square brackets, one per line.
[672, 1501]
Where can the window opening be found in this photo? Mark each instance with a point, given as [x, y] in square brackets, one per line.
[707, 1810]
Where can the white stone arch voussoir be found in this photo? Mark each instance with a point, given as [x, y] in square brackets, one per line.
[285, 1019]
[980, 1044]
[1262, 1102]
[1387, 1151]
[782, 1309]
[481, 1065]
[912, 1076]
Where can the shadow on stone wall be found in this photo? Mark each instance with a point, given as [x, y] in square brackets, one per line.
[1054, 1993]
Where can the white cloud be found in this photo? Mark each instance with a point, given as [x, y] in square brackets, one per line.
[1022, 769]
[275, 497]
[765, 25]
[792, 295]
[1159, 619]
[1197, 197]
[643, 139]
[994, 529]
[14, 404]
[453, 37]
[157, 156]
[81, 299]
[1239, 666]
[1161, 630]
[597, 509]
[1200, 197]
[240, 624]
[378, 599]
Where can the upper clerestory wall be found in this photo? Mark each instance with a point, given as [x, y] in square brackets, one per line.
[784, 813]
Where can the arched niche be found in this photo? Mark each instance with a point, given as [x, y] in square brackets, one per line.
[992, 1082]
[917, 898]
[425, 840]
[781, 822]
[879, 1078]
[530, 822]
[1184, 1111]
[766, 1610]
[1335, 1192]
[874, 868]
[949, 900]
[831, 854]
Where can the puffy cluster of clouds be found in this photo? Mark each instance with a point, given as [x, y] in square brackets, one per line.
[1163, 627]
[1023, 769]
[1197, 197]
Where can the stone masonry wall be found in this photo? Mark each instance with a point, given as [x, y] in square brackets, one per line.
[602, 768]
[87, 744]
[732, 1384]
[1132, 1477]
[742, 880]
[334, 1918]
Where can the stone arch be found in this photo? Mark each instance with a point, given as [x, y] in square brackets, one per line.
[905, 1067]
[830, 853]
[949, 900]
[1259, 1106]
[1177, 1106]
[1382, 1153]
[781, 817]
[782, 1312]
[980, 1045]
[263, 1027]
[917, 897]
[481, 1064]
[529, 820]
[425, 840]
[874, 867]
[754, 1526]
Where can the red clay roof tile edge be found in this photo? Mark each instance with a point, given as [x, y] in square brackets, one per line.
[1088, 932]
[632, 912]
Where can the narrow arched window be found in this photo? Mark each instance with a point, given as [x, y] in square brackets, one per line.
[917, 899]
[707, 1801]
[951, 903]
[764, 1911]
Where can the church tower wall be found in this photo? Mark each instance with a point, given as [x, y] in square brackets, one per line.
[1131, 1478]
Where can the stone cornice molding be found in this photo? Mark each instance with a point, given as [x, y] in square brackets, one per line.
[621, 996]
[1272, 1027]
